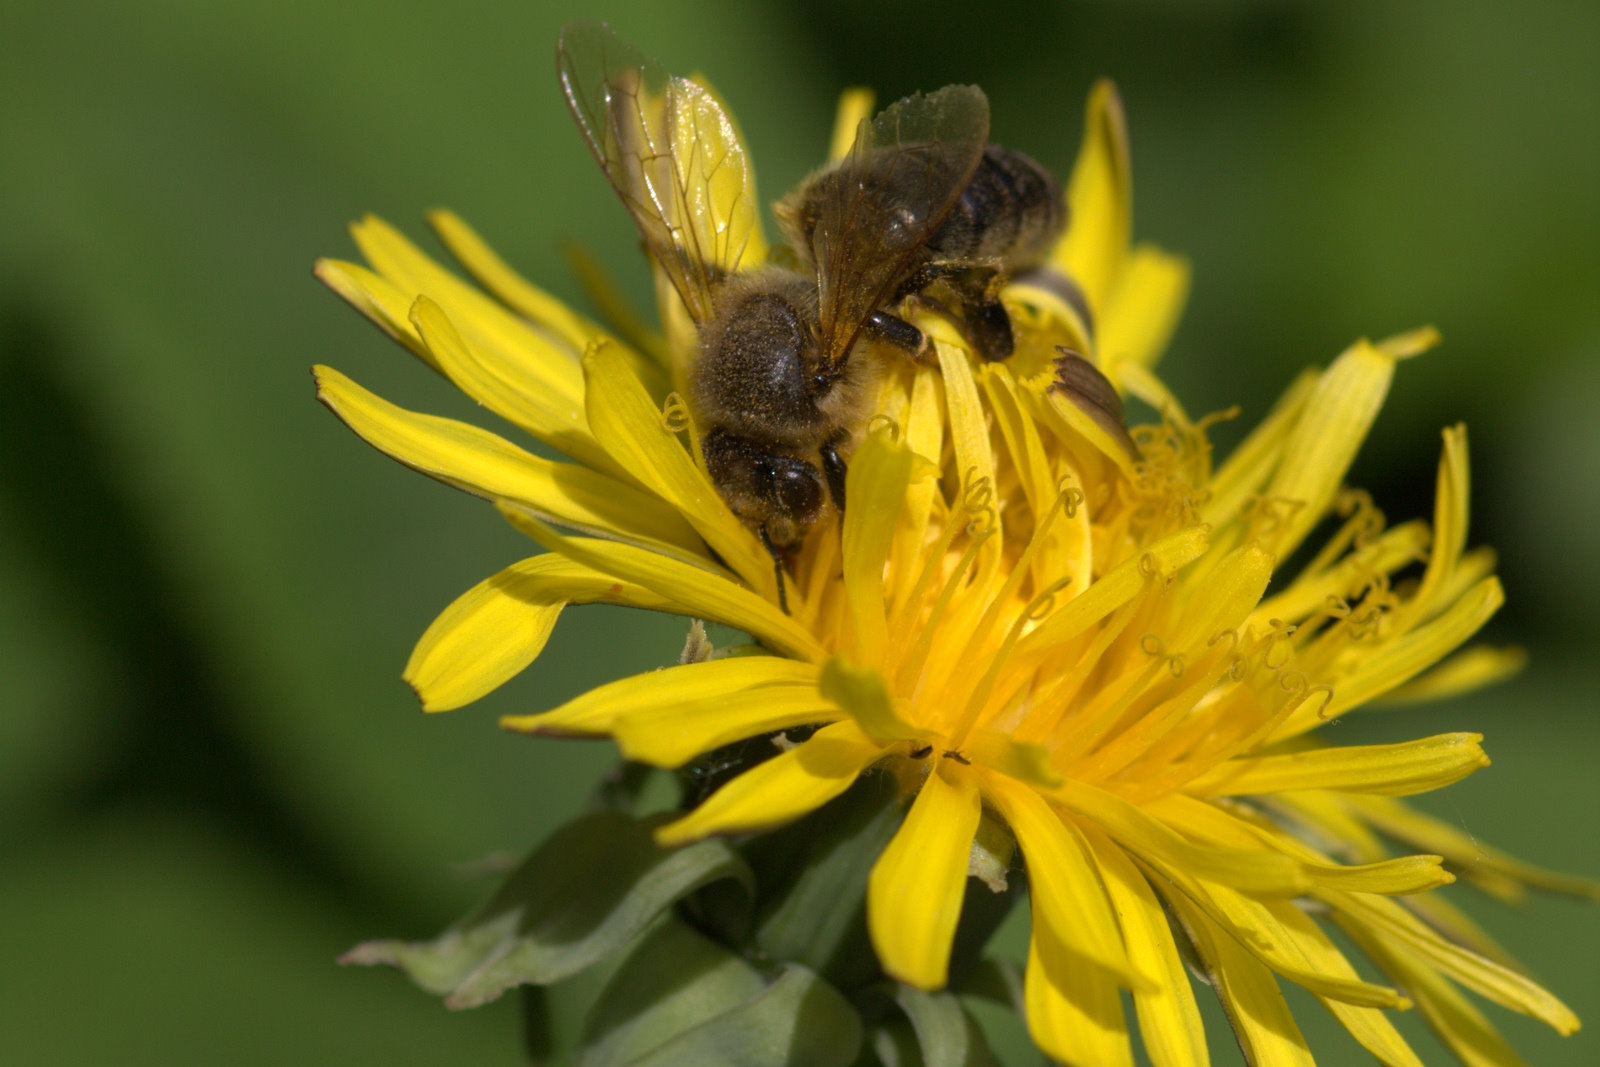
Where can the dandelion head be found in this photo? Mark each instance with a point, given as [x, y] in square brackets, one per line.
[1106, 641]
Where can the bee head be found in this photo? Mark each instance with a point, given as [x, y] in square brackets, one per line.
[780, 492]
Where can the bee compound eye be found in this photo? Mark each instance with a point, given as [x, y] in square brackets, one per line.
[793, 487]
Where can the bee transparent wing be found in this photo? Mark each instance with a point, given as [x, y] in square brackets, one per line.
[671, 153]
[904, 174]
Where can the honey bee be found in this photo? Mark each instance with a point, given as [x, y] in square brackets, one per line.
[786, 356]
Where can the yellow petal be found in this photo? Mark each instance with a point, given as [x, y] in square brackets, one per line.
[1209, 822]
[1099, 200]
[1074, 1011]
[1337, 416]
[860, 691]
[1394, 548]
[855, 107]
[486, 465]
[1470, 669]
[1114, 589]
[495, 275]
[630, 427]
[1169, 1018]
[969, 427]
[692, 590]
[505, 390]
[1400, 876]
[1066, 418]
[1400, 660]
[1325, 817]
[1255, 871]
[880, 471]
[914, 893]
[1256, 927]
[1435, 910]
[500, 625]
[1000, 751]
[1042, 309]
[378, 299]
[1252, 462]
[781, 789]
[924, 435]
[1367, 1025]
[1144, 309]
[519, 352]
[672, 734]
[1452, 1016]
[598, 711]
[1398, 819]
[1220, 599]
[1387, 920]
[1249, 993]
[1409, 343]
[1393, 770]
[1062, 554]
[414, 273]
[1452, 500]
[1066, 893]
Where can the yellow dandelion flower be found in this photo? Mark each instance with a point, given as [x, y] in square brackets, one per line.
[1025, 616]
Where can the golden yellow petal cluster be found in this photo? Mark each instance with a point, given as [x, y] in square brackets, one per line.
[1023, 620]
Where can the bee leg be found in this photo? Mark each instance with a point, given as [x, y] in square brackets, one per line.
[984, 318]
[989, 326]
[778, 571]
[896, 331]
[833, 468]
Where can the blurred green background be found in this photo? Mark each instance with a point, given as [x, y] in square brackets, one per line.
[211, 778]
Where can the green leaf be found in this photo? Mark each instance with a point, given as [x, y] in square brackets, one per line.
[996, 980]
[674, 980]
[681, 998]
[944, 1035]
[815, 877]
[582, 896]
[622, 787]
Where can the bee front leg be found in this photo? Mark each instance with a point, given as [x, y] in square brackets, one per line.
[984, 318]
[833, 468]
[893, 330]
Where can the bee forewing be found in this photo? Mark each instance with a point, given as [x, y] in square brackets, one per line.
[670, 152]
[904, 174]
[956, 115]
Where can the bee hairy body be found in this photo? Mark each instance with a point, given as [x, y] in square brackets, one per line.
[750, 375]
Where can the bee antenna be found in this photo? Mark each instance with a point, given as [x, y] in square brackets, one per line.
[777, 566]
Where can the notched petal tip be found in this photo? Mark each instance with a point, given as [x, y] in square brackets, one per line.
[422, 698]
